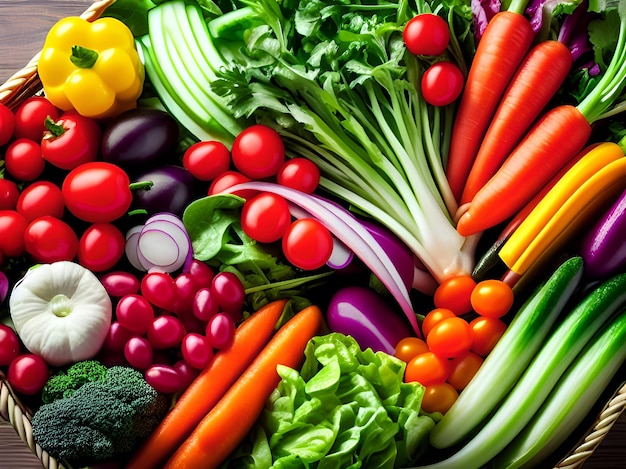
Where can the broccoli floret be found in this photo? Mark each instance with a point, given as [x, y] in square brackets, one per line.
[65, 382]
[101, 420]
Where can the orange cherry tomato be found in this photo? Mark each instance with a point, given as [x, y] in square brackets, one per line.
[427, 368]
[454, 293]
[463, 370]
[439, 398]
[450, 338]
[492, 298]
[410, 347]
[434, 317]
[487, 331]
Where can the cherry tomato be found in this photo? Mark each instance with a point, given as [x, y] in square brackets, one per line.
[228, 179]
[30, 117]
[120, 283]
[71, 140]
[486, 332]
[100, 247]
[12, 228]
[97, 192]
[307, 244]
[164, 378]
[442, 83]
[9, 345]
[23, 159]
[492, 298]
[28, 374]
[39, 199]
[439, 398]
[138, 353]
[117, 337]
[7, 124]
[207, 160]
[134, 313]
[220, 330]
[166, 331]
[463, 369]
[49, 239]
[426, 34]
[434, 317]
[258, 151]
[265, 217]
[196, 350]
[160, 290]
[454, 294]
[229, 293]
[410, 347]
[427, 368]
[299, 173]
[450, 338]
[9, 193]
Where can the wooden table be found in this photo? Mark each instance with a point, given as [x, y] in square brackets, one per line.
[23, 26]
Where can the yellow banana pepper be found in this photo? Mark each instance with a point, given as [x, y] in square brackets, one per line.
[92, 67]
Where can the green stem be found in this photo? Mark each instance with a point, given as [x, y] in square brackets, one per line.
[83, 57]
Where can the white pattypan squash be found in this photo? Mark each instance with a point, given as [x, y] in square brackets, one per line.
[61, 312]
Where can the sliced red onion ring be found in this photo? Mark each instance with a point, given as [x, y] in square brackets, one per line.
[132, 239]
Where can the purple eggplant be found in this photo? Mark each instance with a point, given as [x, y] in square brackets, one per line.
[363, 314]
[172, 190]
[138, 137]
[603, 248]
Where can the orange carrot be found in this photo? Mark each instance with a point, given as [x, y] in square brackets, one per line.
[535, 83]
[553, 141]
[502, 47]
[208, 388]
[219, 433]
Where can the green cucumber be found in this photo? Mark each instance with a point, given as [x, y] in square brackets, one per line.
[541, 376]
[509, 358]
[571, 400]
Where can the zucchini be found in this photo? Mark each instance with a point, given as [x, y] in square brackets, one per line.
[541, 376]
[509, 358]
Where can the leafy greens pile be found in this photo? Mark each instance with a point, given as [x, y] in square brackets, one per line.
[346, 406]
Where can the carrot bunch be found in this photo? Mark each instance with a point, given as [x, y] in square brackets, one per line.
[219, 408]
[515, 147]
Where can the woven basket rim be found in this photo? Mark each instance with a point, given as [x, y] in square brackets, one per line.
[25, 83]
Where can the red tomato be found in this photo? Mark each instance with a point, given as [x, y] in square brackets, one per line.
[28, 374]
[442, 83]
[9, 193]
[439, 397]
[492, 298]
[97, 192]
[39, 199]
[9, 345]
[228, 179]
[70, 141]
[258, 151]
[207, 160]
[100, 247]
[30, 118]
[410, 347]
[463, 370]
[300, 174]
[454, 294]
[434, 317]
[12, 228]
[7, 124]
[426, 34]
[427, 368]
[48, 239]
[23, 159]
[487, 332]
[450, 338]
[307, 244]
[265, 217]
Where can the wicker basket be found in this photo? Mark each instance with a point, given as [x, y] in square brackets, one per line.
[26, 83]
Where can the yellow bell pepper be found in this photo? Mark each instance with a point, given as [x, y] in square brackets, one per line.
[92, 67]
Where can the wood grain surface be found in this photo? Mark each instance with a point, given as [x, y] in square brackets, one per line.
[23, 26]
